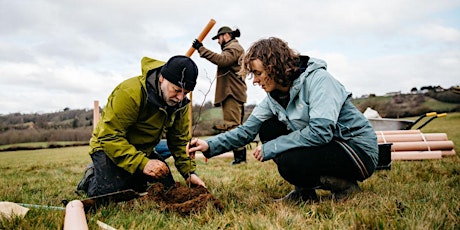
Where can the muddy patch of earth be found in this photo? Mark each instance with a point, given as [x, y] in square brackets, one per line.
[182, 199]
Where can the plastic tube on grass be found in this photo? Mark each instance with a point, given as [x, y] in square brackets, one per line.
[75, 216]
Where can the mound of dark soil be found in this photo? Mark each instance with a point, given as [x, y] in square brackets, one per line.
[182, 199]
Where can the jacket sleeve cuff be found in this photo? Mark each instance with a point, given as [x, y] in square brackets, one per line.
[207, 154]
[188, 175]
[267, 155]
[201, 50]
[143, 163]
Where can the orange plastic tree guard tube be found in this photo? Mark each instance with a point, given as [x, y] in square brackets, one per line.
[422, 146]
[75, 216]
[448, 152]
[411, 137]
[397, 132]
[416, 155]
[202, 35]
[189, 53]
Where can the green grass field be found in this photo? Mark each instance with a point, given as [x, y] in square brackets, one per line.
[412, 195]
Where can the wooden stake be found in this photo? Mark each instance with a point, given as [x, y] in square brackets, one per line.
[96, 114]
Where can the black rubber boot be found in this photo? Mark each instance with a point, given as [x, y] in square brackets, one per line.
[82, 187]
[240, 156]
[299, 195]
[340, 188]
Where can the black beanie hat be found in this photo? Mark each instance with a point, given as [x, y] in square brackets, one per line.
[181, 71]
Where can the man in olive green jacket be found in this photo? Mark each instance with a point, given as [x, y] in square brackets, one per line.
[139, 111]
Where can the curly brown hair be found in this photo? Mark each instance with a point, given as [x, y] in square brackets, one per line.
[280, 62]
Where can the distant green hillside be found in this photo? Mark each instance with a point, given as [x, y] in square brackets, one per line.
[204, 121]
[211, 114]
[440, 106]
[76, 125]
[405, 105]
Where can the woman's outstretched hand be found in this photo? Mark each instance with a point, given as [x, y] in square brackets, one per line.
[196, 145]
[258, 153]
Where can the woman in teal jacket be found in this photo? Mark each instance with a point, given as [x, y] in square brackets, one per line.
[307, 124]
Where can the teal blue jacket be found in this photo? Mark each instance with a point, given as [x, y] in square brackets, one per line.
[319, 110]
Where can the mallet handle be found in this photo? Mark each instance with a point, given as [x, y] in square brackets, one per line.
[189, 53]
[202, 35]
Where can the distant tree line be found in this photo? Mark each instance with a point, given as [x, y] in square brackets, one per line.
[450, 96]
[76, 125]
[45, 135]
[67, 125]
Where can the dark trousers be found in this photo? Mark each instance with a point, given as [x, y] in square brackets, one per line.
[108, 177]
[303, 166]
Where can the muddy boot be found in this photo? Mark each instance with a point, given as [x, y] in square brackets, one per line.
[83, 185]
[240, 156]
[340, 188]
[299, 195]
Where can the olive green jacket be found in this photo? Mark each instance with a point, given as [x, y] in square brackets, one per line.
[228, 83]
[136, 117]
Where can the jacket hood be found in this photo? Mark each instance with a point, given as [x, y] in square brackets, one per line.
[314, 64]
[147, 65]
[305, 70]
[152, 67]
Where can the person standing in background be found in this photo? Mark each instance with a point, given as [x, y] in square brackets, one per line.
[230, 88]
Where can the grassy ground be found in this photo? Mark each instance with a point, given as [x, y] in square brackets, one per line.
[412, 195]
[41, 145]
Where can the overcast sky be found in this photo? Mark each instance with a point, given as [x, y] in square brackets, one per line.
[60, 53]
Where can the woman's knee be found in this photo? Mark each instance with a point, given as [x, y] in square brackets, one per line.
[296, 171]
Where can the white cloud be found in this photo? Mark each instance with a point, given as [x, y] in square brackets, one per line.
[439, 33]
[57, 54]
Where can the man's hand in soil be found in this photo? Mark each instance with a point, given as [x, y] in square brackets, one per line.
[194, 179]
[156, 169]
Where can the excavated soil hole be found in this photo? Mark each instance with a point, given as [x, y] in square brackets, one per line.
[182, 199]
